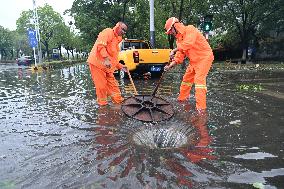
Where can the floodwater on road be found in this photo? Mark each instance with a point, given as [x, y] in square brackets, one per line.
[54, 135]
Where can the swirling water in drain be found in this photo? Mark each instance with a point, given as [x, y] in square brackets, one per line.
[153, 155]
[172, 137]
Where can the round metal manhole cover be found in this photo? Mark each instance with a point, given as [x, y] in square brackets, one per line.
[147, 108]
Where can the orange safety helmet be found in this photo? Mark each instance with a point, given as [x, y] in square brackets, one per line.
[169, 24]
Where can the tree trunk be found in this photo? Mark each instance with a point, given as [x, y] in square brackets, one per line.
[18, 53]
[244, 47]
[60, 52]
[244, 56]
[12, 54]
[67, 50]
[46, 49]
[4, 54]
[72, 52]
[124, 10]
[1, 53]
[180, 10]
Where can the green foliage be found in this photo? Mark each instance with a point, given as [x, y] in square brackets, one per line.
[61, 35]
[189, 12]
[246, 18]
[24, 22]
[92, 16]
[216, 41]
[258, 185]
[250, 87]
[228, 40]
[13, 44]
[6, 43]
[269, 35]
[6, 39]
[21, 44]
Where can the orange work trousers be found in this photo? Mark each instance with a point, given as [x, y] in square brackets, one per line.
[106, 86]
[196, 74]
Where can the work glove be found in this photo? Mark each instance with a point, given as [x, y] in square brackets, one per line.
[172, 54]
[171, 65]
[107, 63]
[124, 68]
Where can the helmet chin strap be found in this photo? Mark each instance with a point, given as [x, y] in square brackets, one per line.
[175, 28]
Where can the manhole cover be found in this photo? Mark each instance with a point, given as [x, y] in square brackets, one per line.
[147, 108]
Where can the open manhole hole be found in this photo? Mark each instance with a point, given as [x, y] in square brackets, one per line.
[165, 138]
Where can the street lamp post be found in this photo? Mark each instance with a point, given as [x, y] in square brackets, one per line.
[152, 26]
[35, 17]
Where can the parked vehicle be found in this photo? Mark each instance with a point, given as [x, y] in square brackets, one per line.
[25, 60]
[140, 58]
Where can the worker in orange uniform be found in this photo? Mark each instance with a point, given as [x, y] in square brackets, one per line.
[103, 61]
[192, 44]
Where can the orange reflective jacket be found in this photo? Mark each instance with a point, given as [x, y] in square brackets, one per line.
[106, 45]
[191, 43]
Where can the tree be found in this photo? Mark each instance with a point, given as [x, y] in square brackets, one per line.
[6, 41]
[70, 44]
[49, 22]
[246, 16]
[61, 37]
[21, 44]
[91, 17]
[188, 12]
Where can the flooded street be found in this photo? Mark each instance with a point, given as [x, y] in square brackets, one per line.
[54, 135]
